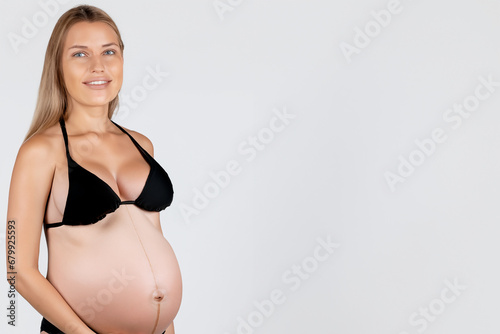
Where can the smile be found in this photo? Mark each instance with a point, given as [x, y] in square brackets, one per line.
[96, 82]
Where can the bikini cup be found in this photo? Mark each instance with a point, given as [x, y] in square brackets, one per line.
[90, 199]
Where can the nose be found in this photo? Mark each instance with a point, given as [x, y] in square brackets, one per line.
[96, 64]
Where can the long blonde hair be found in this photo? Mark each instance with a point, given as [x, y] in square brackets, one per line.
[52, 95]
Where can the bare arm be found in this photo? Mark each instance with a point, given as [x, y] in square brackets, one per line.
[30, 186]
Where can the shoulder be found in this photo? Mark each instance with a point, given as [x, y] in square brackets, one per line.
[142, 140]
[42, 147]
[39, 156]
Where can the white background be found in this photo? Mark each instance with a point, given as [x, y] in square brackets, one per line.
[323, 176]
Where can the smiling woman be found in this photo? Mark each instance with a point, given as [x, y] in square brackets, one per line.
[92, 45]
[98, 191]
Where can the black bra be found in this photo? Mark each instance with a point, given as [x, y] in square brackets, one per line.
[90, 199]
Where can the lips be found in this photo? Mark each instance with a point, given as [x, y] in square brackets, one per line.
[97, 83]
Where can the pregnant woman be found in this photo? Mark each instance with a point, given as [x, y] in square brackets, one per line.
[96, 190]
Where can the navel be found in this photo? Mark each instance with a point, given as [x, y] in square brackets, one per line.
[158, 295]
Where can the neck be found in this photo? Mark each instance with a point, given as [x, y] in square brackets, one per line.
[93, 119]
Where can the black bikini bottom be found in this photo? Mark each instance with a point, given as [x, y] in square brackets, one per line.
[51, 329]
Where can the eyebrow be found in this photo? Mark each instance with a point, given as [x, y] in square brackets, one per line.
[86, 47]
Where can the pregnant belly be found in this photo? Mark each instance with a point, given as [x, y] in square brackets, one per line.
[123, 277]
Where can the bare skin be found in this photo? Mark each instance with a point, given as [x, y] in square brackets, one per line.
[119, 275]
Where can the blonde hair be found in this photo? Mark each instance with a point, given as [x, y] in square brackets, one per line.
[52, 95]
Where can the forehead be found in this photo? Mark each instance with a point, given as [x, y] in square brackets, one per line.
[90, 33]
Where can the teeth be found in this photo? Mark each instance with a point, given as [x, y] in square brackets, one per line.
[96, 82]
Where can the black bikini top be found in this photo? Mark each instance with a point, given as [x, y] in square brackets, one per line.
[90, 199]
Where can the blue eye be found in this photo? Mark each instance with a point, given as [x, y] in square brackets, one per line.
[78, 53]
[112, 52]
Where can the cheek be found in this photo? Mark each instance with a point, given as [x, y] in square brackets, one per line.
[71, 75]
[68, 77]
[116, 70]
[117, 67]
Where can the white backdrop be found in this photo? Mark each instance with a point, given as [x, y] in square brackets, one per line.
[355, 146]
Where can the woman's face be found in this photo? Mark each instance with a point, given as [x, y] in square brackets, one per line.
[92, 64]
